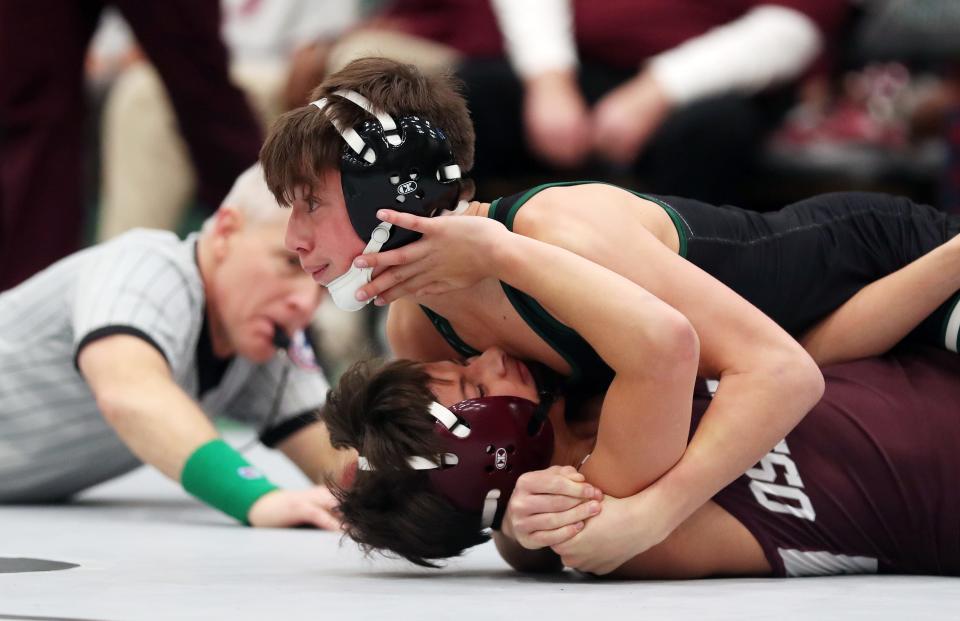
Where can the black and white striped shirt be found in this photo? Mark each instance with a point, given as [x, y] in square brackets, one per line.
[53, 440]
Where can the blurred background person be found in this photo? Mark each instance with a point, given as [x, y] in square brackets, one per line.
[674, 97]
[42, 107]
[148, 178]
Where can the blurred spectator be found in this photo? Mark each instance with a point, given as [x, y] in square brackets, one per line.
[572, 102]
[887, 119]
[870, 108]
[924, 34]
[708, 90]
[42, 50]
[111, 50]
[148, 179]
[435, 35]
[908, 30]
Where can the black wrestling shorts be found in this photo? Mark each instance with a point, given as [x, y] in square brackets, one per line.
[799, 264]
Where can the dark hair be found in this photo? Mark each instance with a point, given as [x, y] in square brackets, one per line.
[303, 142]
[383, 413]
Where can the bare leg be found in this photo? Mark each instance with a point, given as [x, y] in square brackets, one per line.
[881, 314]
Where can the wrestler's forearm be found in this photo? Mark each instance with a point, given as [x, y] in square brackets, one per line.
[652, 348]
[885, 311]
[748, 416]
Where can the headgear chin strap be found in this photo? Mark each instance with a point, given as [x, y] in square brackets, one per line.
[489, 443]
[404, 164]
[343, 289]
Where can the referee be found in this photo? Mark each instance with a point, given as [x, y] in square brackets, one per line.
[123, 352]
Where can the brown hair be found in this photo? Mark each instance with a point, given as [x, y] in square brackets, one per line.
[384, 414]
[303, 142]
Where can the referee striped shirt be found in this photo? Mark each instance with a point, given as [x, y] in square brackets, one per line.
[53, 440]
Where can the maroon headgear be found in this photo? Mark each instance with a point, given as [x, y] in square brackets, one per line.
[490, 442]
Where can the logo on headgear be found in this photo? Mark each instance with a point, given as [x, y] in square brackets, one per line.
[501, 458]
[408, 187]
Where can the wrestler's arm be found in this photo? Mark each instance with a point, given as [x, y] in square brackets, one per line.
[767, 381]
[619, 319]
[885, 311]
[652, 348]
[710, 543]
[599, 539]
[619, 540]
[645, 420]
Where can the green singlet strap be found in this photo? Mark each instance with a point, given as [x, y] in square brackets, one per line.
[449, 334]
[220, 476]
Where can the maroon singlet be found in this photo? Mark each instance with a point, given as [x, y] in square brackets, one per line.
[869, 481]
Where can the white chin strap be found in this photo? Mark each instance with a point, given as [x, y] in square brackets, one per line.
[343, 289]
[489, 508]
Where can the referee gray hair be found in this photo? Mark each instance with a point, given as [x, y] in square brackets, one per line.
[251, 197]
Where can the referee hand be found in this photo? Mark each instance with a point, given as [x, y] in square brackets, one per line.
[284, 508]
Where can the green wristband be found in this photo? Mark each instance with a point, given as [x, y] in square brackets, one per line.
[220, 476]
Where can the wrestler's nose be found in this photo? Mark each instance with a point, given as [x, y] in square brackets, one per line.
[490, 363]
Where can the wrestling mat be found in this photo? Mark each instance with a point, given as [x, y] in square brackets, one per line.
[140, 548]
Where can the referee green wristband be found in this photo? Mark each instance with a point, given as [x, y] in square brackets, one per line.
[220, 476]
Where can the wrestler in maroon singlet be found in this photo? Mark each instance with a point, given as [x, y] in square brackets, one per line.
[869, 481]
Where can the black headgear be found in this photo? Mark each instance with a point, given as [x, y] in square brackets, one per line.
[404, 164]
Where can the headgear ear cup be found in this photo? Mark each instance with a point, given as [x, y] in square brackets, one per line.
[494, 455]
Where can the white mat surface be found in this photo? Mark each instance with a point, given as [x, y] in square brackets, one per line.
[145, 550]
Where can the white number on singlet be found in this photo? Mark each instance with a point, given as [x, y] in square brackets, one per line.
[771, 495]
